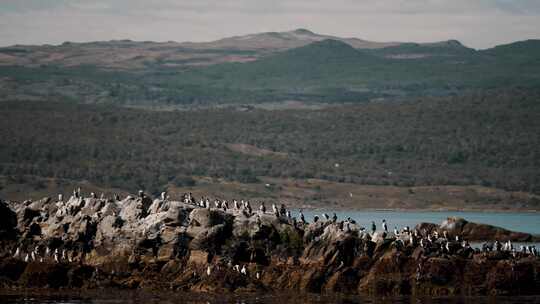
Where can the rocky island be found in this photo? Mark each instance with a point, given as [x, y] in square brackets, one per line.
[217, 246]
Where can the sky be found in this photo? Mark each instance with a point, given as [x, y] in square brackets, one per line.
[476, 23]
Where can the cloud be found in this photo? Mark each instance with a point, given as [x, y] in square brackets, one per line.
[477, 23]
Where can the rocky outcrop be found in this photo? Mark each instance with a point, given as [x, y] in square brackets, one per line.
[160, 244]
[476, 231]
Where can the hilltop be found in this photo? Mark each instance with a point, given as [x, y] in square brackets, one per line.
[267, 67]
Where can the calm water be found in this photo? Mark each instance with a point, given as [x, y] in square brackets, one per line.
[524, 222]
[131, 297]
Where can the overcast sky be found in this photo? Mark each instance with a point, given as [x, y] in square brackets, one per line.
[476, 23]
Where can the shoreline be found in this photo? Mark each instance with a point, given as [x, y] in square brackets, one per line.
[140, 243]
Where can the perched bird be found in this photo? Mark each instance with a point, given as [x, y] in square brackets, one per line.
[258, 276]
[60, 197]
[27, 258]
[326, 216]
[244, 270]
[17, 252]
[275, 209]
[236, 268]
[262, 208]
[208, 271]
[384, 226]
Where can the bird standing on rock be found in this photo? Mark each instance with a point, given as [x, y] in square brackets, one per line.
[302, 218]
[275, 210]
[17, 252]
[244, 270]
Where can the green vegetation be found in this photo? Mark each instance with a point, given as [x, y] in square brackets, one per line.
[325, 71]
[487, 139]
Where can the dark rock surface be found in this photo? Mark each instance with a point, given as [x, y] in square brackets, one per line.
[168, 245]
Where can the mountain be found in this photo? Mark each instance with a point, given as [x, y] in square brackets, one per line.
[296, 65]
[127, 54]
[284, 40]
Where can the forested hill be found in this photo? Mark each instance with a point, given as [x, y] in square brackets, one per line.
[268, 67]
[488, 139]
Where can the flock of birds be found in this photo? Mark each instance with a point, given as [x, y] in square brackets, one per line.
[45, 254]
[431, 242]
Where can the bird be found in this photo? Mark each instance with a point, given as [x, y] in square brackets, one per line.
[60, 197]
[236, 268]
[163, 195]
[208, 271]
[258, 275]
[244, 270]
[396, 232]
[326, 217]
[275, 209]
[17, 252]
[302, 218]
[33, 255]
[288, 214]
[334, 217]
[26, 258]
[262, 208]
[56, 257]
[384, 226]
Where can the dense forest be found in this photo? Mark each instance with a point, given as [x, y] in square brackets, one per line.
[488, 138]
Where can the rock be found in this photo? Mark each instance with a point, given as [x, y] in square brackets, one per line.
[482, 232]
[162, 244]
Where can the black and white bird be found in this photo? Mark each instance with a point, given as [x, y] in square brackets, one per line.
[275, 209]
[262, 208]
[17, 252]
[244, 270]
[302, 218]
[384, 226]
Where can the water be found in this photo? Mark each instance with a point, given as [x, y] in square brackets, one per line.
[131, 297]
[515, 221]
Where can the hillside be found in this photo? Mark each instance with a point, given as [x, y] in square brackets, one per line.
[486, 139]
[127, 54]
[256, 70]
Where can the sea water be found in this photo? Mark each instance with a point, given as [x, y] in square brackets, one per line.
[515, 221]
